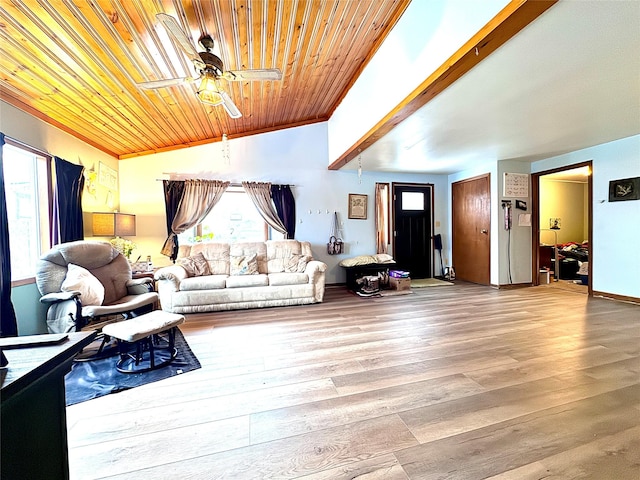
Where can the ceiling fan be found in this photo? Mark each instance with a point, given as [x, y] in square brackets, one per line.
[210, 69]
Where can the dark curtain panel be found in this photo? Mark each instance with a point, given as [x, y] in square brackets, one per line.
[285, 206]
[8, 324]
[67, 202]
[173, 190]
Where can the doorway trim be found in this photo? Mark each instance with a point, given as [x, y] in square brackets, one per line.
[429, 241]
[535, 219]
[480, 224]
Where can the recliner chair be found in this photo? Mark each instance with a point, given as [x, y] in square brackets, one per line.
[124, 297]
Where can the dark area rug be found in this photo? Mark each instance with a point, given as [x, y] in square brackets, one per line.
[95, 378]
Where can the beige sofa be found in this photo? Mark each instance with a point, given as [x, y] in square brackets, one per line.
[209, 277]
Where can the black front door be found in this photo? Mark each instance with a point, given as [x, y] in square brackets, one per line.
[412, 206]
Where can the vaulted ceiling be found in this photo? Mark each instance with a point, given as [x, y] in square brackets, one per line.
[76, 63]
[542, 78]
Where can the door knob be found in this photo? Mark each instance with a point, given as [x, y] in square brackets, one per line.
[484, 230]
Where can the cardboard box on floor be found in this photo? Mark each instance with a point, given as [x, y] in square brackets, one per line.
[400, 283]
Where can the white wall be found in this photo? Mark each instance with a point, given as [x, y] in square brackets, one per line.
[616, 228]
[426, 35]
[296, 156]
[514, 247]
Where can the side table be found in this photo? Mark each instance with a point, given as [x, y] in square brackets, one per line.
[142, 274]
[137, 275]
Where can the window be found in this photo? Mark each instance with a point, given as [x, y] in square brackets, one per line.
[27, 180]
[413, 201]
[233, 219]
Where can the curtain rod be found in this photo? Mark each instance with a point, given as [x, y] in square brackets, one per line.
[231, 184]
[25, 146]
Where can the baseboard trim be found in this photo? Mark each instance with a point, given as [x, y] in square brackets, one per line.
[613, 296]
[511, 286]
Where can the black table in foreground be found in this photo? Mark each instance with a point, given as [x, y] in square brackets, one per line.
[33, 423]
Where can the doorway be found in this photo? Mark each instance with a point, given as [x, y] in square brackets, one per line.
[413, 227]
[561, 218]
[471, 224]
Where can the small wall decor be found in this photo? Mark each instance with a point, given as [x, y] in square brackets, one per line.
[109, 200]
[358, 206]
[108, 177]
[524, 220]
[90, 177]
[516, 185]
[554, 223]
[624, 189]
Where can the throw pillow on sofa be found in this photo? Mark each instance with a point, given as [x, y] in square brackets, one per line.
[195, 265]
[296, 263]
[244, 265]
[81, 280]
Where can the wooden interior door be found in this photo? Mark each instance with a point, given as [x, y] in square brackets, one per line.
[471, 217]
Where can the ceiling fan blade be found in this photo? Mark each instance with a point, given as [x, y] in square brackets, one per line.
[229, 106]
[242, 75]
[181, 38]
[168, 82]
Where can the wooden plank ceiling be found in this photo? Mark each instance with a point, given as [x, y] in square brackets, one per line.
[75, 64]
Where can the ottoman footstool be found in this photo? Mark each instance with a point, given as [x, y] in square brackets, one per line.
[146, 342]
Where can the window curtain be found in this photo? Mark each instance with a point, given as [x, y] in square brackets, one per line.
[197, 200]
[8, 323]
[285, 207]
[260, 195]
[382, 217]
[67, 225]
[173, 190]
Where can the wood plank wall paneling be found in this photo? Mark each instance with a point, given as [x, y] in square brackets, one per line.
[76, 64]
[462, 382]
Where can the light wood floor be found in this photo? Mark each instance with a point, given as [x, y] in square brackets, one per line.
[452, 382]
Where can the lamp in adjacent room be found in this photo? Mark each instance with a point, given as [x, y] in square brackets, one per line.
[114, 224]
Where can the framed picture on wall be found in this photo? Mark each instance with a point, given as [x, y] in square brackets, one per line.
[624, 189]
[107, 177]
[358, 206]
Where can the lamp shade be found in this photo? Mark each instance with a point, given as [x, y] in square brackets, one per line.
[208, 92]
[114, 225]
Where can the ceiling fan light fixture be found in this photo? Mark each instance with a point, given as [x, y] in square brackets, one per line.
[209, 66]
[208, 91]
